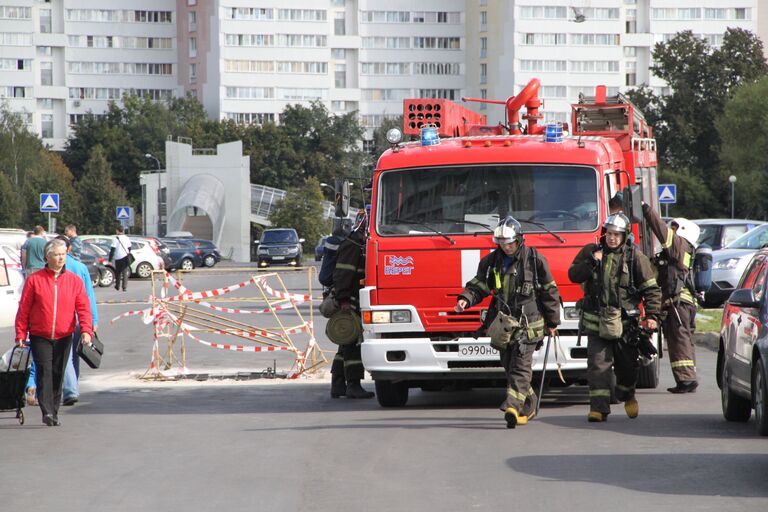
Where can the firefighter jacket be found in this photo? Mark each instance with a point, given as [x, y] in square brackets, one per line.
[675, 261]
[623, 279]
[527, 289]
[350, 268]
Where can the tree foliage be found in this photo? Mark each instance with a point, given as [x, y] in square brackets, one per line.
[302, 210]
[100, 194]
[19, 148]
[10, 204]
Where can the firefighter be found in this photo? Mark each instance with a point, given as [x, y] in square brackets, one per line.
[522, 286]
[347, 369]
[615, 277]
[674, 265]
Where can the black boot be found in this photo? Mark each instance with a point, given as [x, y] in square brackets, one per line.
[355, 390]
[688, 386]
[338, 386]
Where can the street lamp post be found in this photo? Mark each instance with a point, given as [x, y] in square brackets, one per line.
[159, 194]
[732, 179]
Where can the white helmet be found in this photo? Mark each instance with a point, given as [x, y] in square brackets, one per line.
[687, 229]
[508, 231]
[618, 223]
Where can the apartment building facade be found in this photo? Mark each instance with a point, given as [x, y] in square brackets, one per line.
[247, 59]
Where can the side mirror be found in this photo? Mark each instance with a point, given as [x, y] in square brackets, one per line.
[256, 242]
[342, 198]
[633, 203]
[301, 240]
[744, 297]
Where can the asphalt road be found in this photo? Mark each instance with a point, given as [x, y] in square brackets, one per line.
[287, 446]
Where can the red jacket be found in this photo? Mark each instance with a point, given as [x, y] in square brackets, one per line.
[48, 305]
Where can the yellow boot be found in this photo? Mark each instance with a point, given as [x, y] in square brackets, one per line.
[512, 417]
[596, 417]
[523, 420]
[632, 408]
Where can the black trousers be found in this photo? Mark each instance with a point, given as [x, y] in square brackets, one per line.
[50, 358]
[122, 269]
[348, 363]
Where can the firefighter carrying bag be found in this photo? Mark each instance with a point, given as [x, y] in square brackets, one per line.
[504, 329]
[344, 328]
[329, 306]
[611, 327]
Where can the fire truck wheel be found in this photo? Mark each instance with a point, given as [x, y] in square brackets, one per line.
[648, 376]
[391, 394]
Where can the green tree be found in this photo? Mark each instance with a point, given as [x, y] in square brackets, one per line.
[49, 174]
[19, 148]
[302, 210]
[99, 193]
[10, 205]
[746, 117]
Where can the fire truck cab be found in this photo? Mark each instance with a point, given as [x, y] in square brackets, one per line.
[435, 202]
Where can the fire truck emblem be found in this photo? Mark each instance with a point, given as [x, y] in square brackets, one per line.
[398, 265]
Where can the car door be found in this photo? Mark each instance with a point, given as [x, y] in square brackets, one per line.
[748, 324]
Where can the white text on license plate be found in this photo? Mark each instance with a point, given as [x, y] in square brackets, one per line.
[278, 257]
[477, 350]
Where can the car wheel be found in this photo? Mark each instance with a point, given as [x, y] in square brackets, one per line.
[209, 260]
[144, 270]
[648, 376]
[107, 277]
[298, 261]
[760, 393]
[186, 264]
[391, 394]
[735, 408]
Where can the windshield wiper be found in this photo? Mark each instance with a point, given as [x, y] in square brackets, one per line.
[416, 223]
[486, 226]
[542, 226]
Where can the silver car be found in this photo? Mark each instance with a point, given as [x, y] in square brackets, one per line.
[729, 263]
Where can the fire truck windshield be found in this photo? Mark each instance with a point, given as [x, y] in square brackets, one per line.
[465, 199]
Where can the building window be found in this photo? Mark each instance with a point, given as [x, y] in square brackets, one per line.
[484, 96]
[483, 47]
[44, 51]
[46, 125]
[46, 73]
[340, 76]
[631, 79]
[192, 72]
[339, 24]
[483, 21]
[192, 21]
[338, 53]
[483, 73]
[45, 21]
[45, 103]
[193, 47]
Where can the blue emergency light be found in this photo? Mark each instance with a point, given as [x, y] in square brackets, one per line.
[429, 136]
[553, 132]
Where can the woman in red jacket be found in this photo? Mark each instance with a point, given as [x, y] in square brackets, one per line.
[49, 301]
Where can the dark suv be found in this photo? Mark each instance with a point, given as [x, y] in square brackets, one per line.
[281, 246]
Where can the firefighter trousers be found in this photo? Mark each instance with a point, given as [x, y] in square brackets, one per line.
[679, 326]
[348, 363]
[602, 356]
[516, 360]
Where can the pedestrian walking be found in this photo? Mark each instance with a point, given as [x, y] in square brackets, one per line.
[119, 253]
[525, 306]
[616, 278]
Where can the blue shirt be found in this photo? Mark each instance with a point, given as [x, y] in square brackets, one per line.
[80, 270]
[77, 247]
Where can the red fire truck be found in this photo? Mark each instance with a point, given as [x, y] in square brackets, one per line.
[435, 202]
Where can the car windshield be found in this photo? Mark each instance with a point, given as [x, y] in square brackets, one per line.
[754, 239]
[279, 236]
[709, 234]
[456, 200]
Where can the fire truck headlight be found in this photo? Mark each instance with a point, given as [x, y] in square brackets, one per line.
[386, 317]
[401, 317]
[571, 313]
[381, 317]
[394, 136]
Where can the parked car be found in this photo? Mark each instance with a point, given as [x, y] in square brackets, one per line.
[320, 248]
[729, 263]
[149, 253]
[10, 292]
[742, 360]
[208, 251]
[106, 268]
[184, 255]
[280, 246]
[717, 233]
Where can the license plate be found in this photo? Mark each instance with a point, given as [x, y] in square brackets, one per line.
[278, 257]
[474, 350]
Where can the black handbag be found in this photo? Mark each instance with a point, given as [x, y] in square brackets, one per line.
[92, 353]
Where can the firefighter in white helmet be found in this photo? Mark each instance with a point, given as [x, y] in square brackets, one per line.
[616, 277]
[674, 264]
[525, 306]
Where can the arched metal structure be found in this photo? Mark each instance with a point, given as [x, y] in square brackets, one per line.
[205, 192]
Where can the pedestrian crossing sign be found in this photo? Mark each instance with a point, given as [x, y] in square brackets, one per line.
[668, 193]
[123, 213]
[49, 202]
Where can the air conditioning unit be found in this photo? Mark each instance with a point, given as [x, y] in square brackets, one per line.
[76, 103]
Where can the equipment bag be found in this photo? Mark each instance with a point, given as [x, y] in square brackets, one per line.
[611, 327]
[344, 328]
[702, 268]
[504, 329]
[330, 305]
